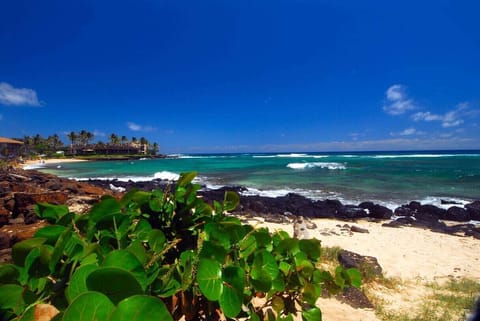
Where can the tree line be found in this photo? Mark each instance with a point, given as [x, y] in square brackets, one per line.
[83, 141]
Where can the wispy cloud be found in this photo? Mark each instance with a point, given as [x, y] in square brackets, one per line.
[451, 118]
[12, 96]
[99, 133]
[397, 101]
[139, 128]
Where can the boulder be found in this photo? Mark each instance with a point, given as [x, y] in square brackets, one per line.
[404, 210]
[351, 212]
[473, 210]
[24, 203]
[363, 263]
[430, 213]
[376, 210]
[458, 214]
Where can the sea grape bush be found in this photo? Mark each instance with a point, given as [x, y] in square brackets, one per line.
[164, 255]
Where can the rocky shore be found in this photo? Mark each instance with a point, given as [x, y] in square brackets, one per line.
[21, 189]
[456, 220]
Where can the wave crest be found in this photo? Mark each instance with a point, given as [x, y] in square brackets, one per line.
[328, 165]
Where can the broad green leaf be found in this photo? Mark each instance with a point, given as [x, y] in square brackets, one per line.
[78, 282]
[355, 277]
[156, 240]
[312, 315]
[142, 230]
[8, 273]
[230, 301]
[51, 233]
[89, 306]
[213, 251]
[265, 261]
[59, 248]
[136, 248]
[248, 245]
[11, 298]
[230, 201]
[107, 206]
[339, 279]
[263, 238]
[127, 261]
[209, 277]
[116, 283]
[50, 212]
[304, 264]
[186, 178]
[311, 247]
[289, 245]
[234, 277]
[261, 281]
[141, 308]
[21, 249]
[38, 260]
[311, 292]
[232, 294]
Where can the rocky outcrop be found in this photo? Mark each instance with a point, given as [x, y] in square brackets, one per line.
[19, 192]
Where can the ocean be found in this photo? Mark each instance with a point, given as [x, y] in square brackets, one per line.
[388, 178]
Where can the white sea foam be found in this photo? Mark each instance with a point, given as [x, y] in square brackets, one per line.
[327, 165]
[437, 201]
[33, 166]
[164, 175]
[422, 155]
[292, 155]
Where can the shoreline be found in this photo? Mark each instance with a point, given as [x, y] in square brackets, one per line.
[415, 254]
[38, 163]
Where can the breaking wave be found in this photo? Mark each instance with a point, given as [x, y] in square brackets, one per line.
[326, 165]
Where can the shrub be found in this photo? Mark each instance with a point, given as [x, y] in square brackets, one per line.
[164, 255]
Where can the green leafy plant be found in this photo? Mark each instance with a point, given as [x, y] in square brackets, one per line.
[164, 255]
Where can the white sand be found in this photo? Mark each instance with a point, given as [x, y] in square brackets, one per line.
[39, 163]
[414, 255]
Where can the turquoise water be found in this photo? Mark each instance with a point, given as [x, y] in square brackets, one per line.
[391, 178]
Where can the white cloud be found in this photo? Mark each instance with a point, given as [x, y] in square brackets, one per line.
[99, 133]
[139, 128]
[451, 118]
[397, 101]
[408, 132]
[12, 96]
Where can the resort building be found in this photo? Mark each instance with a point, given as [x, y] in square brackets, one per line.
[9, 148]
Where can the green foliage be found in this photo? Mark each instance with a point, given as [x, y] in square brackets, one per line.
[164, 255]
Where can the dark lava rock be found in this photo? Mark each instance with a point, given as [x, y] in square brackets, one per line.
[430, 213]
[458, 214]
[376, 210]
[358, 229]
[404, 210]
[4, 240]
[351, 212]
[363, 263]
[473, 209]
[355, 298]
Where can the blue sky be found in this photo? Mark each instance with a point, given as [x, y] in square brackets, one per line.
[245, 76]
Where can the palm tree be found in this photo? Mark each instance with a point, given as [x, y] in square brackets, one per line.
[90, 137]
[54, 142]
[114, 139]
[72, 136]
[143, 145]
[124, 139]
[156, 148]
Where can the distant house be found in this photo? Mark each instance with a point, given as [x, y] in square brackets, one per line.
[9, 148]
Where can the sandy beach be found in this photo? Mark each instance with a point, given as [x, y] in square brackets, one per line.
[30, 164]
[414, 257]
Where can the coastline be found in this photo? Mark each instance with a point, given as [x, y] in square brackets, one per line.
[38, 163]
[416, 255]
